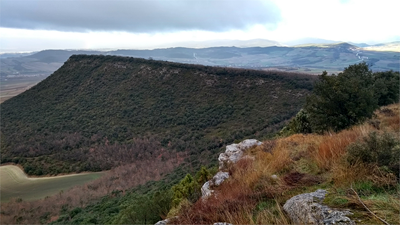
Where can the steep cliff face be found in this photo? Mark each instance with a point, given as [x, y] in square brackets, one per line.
[94, 105]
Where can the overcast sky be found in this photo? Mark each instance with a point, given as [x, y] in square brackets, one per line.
[32, 25]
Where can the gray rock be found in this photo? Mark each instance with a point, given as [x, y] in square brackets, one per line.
[162, 222]
[220, 177]
[307, 209]
[205, 190]
[215, 181]
[234, 152]
[248, 143]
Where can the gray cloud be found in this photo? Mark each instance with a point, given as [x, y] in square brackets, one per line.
[137, 15]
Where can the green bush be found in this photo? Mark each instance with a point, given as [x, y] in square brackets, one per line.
[340, 101]
[188, 188]
[380, 149]
[299, 124]
[343, 100]
[386, 87]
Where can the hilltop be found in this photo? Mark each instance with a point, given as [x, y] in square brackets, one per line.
[99, 112]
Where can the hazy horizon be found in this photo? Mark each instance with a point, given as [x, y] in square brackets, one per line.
[35, 25]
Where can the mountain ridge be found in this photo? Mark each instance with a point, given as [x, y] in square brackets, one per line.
[94, 105]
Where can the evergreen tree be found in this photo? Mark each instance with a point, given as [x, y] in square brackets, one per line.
[340, 101]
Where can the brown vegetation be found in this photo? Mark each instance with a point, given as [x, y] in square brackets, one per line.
[118, 179]
[302, 163]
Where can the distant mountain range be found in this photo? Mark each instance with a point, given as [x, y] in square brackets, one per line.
[230, 43]
[21, 71]
[313, 58]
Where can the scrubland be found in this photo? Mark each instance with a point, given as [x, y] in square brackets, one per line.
[304, 163]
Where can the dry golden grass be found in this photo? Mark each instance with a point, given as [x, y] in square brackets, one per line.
[389, 117]
[344, 175]
[268, 216]
[333, 146]
[236, 199]
[252, 196]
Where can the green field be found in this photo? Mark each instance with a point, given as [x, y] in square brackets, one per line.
[15, 184]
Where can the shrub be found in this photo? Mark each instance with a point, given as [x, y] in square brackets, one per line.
[299, 124]
[188, 188]
[341, 101]
[386, 87]
[380, 149]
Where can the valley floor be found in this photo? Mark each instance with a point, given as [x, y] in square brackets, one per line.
[16, 184]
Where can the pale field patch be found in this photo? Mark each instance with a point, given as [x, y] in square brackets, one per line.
[14, 183]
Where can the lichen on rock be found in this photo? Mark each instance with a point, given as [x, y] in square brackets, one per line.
[307, 209]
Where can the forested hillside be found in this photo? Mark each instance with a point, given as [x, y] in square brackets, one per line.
[98, 112]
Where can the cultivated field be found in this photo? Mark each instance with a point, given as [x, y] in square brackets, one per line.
[14, 86]
[15, 184]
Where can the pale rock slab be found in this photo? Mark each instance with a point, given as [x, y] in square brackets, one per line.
[307, 209]
[234, 152]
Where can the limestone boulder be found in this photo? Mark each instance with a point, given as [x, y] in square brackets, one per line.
[206, 190]
[308, 209]
[234, 152]
[219, 178]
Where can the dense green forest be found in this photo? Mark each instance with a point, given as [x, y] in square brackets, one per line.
[99, 112]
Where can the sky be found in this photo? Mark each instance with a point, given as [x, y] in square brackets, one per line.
[34, 25]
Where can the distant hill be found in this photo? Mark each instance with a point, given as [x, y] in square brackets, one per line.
[392, 46]
[231, 43]
[17, 74]
[98, 112]
[309, 41]
[310, 58]
[14, 55]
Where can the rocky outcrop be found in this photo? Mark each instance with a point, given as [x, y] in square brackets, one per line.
[234, 152]
[219, 178]
[215, 181]
[206, 190]
[307, 209]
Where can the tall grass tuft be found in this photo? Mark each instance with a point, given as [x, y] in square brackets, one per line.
[333, 146]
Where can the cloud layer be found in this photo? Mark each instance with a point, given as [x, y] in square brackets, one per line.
[137, 15]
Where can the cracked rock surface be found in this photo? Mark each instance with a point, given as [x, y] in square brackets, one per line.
[307, 209]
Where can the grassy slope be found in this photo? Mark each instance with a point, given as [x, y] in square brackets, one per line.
[304, 163]
[15, 184]
[94, 105]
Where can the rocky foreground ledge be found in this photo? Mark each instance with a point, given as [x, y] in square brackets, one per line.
[307, 209]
